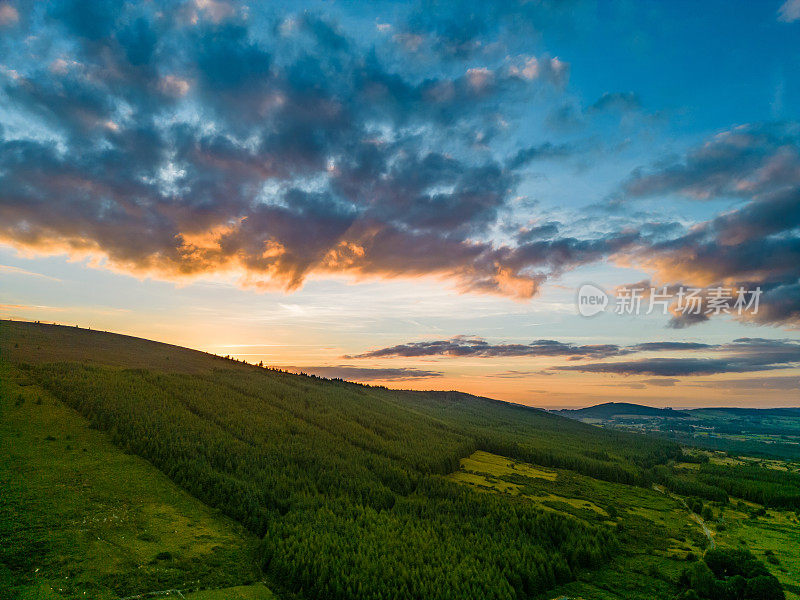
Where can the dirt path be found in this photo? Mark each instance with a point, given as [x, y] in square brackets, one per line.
[178, 593]
[695, 517]
[706, 530]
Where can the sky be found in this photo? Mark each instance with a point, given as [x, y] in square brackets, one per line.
[422, 195]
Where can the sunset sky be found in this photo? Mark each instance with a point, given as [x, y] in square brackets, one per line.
[411, 194]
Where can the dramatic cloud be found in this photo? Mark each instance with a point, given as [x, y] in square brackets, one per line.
[365, 373]
[669, 367]
[195, 141]
[741, 356]
[756, 244]
[207, 138]
[463, 345]
[743, 161]
[471, 346]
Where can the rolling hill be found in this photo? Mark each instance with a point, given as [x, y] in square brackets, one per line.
[175, 469]
[608, 410]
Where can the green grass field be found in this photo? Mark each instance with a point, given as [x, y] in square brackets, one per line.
[656, 531]
[256, 591]
[660, 532]
[79, 518]
[774, 537]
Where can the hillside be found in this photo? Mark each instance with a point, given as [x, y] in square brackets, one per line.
[78, 516]
[349, 490]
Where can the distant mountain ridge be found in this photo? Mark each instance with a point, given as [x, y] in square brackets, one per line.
[608, 410]
[612, 409]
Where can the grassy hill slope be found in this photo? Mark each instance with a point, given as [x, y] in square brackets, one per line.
[344, 483]
[38, 343]
[79, 518]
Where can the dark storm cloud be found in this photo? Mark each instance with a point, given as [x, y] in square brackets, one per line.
[365, 373]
